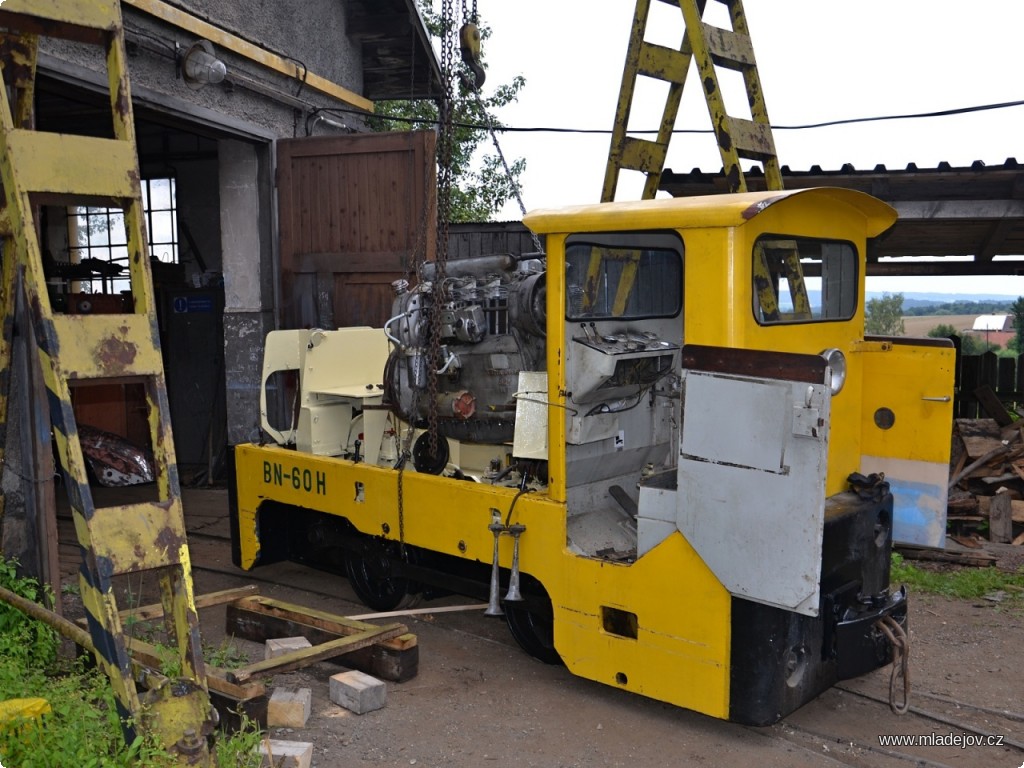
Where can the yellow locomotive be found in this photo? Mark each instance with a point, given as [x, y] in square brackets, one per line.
[667, 442]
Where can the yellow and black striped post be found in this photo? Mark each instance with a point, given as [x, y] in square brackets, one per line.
[66, 169]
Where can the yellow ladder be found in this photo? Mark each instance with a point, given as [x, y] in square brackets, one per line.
[68, 170]
[712, 47]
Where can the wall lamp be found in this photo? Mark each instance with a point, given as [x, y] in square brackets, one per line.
[198, 66]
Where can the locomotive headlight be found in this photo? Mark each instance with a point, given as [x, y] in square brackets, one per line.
[837, 362]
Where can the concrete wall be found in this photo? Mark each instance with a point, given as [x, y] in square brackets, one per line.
[247, 216]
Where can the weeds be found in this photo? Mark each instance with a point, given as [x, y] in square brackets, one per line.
[83, 729]
[964, 583]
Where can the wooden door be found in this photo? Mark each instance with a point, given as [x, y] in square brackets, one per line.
[355, 213]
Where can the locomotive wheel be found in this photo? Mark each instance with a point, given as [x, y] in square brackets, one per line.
[373, 580]
[533, 630]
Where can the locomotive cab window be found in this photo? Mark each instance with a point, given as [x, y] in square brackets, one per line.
[799, 280]
[623, 276]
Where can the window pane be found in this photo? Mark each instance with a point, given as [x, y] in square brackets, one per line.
[803, 280]
[159, 194]
[118, 233]
[98, 236]
[163, 227]
[632, 280]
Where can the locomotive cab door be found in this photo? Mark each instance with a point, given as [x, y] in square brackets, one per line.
[751, 477]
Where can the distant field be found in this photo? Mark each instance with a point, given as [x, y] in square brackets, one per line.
[919, 326]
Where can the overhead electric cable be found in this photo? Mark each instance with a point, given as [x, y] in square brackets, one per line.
[798, 127]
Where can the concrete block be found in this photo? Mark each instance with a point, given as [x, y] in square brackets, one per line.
[289, 708]
[278, 646]
[358, 692]
[286, 754]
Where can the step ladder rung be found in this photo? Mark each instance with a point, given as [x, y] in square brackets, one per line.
[751, 140]
[138, 537]
[729, 49]
[663, 63]
[642, 155]
[106, 346]
[75, 16]
[69, 167]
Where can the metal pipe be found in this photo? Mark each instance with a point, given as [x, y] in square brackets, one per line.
[514, 595]
[63, 626]
[493, 603]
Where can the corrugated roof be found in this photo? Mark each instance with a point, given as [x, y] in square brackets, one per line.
[975, 210]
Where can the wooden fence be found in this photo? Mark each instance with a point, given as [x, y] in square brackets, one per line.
[978, 376]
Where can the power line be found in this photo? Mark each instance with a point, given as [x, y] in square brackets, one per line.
[798, 127]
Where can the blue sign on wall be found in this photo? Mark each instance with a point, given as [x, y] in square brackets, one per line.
[184, 304]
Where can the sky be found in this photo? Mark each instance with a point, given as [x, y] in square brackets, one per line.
[818, 60]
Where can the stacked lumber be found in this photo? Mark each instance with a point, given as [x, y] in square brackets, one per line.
[986, 485]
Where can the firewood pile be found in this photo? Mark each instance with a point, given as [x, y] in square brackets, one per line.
[986, 482]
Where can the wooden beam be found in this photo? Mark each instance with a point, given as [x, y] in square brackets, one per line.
[244, 48]
[958, 210]
[307, 656]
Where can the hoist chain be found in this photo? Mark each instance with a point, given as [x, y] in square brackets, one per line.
[444, 197]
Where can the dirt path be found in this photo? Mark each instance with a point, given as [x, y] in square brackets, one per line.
[478, 700]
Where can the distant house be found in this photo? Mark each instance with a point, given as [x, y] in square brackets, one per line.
[993, 323]
[995, 329]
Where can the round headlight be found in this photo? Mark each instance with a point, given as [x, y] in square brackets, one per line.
[837, 362]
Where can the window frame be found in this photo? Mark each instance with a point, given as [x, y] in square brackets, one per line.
[783, 320]
[666, 241]
[109, 244]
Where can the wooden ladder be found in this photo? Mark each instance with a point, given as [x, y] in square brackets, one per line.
[712, 47]
[73, 170]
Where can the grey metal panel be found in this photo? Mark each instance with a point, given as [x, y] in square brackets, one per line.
[751, 484]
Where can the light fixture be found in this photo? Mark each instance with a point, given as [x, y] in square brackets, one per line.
[199, 66]
[837, 363]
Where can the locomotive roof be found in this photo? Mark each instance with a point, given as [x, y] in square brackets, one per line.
[723, 210]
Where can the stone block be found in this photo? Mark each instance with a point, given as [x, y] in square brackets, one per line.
[286, 754]
[358, 692]
[278, 646]
[289, 708]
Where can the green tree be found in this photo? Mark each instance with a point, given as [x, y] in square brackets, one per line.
[885, 315]
[1017, 310]
[480, 186]
[943, 331]
[970, 343]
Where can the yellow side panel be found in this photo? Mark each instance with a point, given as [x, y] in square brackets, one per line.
[906, 421]
[683, 618]
[680, 652]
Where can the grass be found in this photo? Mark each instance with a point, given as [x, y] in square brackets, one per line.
[83, 729]
[963, 583]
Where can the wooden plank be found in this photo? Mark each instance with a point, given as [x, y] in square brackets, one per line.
[1018, 541]
[979, 435]
[307, 656]
[912, 552]
[156, 610]
[995, 452]
[338, 625]
[255, 53]
[1000, 520]
[419, 611]
[1016, 508]
[396, 659]
[992, 405]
